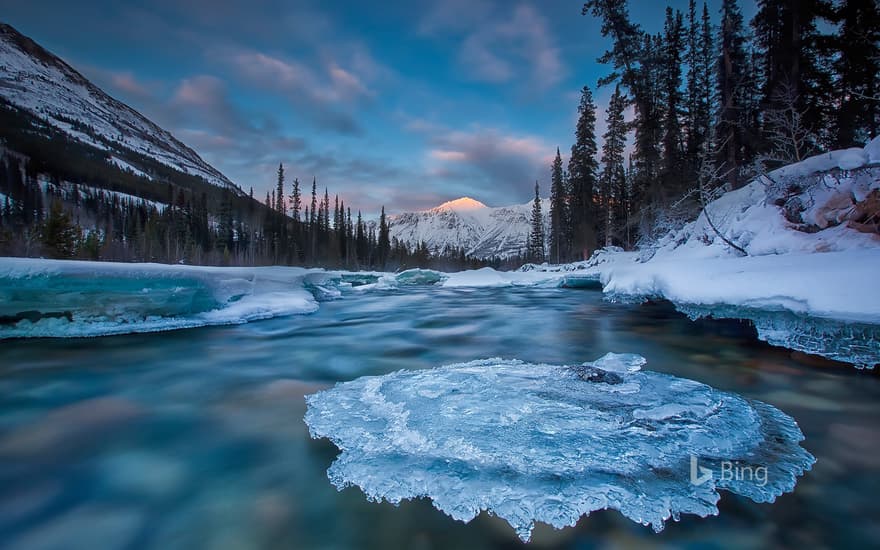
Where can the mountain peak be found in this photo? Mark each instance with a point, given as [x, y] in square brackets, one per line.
[462, 203]
[467, 224]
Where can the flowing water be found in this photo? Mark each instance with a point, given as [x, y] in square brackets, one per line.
[195, 438]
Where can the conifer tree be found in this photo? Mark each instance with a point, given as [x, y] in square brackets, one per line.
[383, 245]
[612, 179]
[582, 169]
[59, 234]
[672, 175]
[279, 193]
[858, 73]
[313, 216]
[795, 60]
[536, 235]
[296, 201]
[558, 216]
[732, 91]
[360, 238]
[693, 84]
[325, 207]
[701, 64]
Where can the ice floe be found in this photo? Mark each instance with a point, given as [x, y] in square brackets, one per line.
[536, 442]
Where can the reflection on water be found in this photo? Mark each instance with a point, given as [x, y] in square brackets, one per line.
[195, 439]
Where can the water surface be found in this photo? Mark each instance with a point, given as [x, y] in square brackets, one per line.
[195, 438]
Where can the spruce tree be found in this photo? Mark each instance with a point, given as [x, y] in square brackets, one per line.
[582, 170]
[383, 245]
[279, 193]
[557, 210]
[59, 234]
[360, 238]
[647, 153]
[313, 212]
[296, 201]
[701, 71]
[797, 83]
[858, 73]
[612, 179]
[731, 85]
[325, 204]
[536, 235]
[694, 94]
[707, 67]
[672, 174]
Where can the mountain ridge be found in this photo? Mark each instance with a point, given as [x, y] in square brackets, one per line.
[465, 223]
[36, 81]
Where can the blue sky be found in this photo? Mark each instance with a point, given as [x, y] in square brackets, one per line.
[405, 104]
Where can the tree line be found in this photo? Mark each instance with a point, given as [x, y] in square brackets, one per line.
[63, 198]
[42, 215]
[714, 102]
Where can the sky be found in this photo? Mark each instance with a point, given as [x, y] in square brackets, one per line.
[404, 104]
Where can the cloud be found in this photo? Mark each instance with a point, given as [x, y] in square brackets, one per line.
[503, 165]
[455, 156]
[499, 45]
[119, 83]
[203, 101]
[126, 82]
[326, 94]
[460, 15]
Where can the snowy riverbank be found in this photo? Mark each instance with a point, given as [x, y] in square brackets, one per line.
[806, 271]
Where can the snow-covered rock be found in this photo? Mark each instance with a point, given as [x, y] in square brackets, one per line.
[536, 442]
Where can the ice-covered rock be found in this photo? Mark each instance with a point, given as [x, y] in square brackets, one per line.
[535, 442]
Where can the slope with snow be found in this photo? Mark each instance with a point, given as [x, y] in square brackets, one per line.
[806, 275]
[37, 82]
[482, 231]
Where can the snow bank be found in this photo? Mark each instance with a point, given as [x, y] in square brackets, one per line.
[63, 298]
[836, 285]
[809, 279]
[547, 443]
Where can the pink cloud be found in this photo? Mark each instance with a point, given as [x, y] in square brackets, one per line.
[126, 82]
[201, 90]
[452, 156]
[330, 83]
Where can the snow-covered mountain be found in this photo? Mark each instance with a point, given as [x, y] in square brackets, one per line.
[38, 82]
[466, 223]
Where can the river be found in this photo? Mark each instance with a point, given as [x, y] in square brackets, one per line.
[195, 438]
